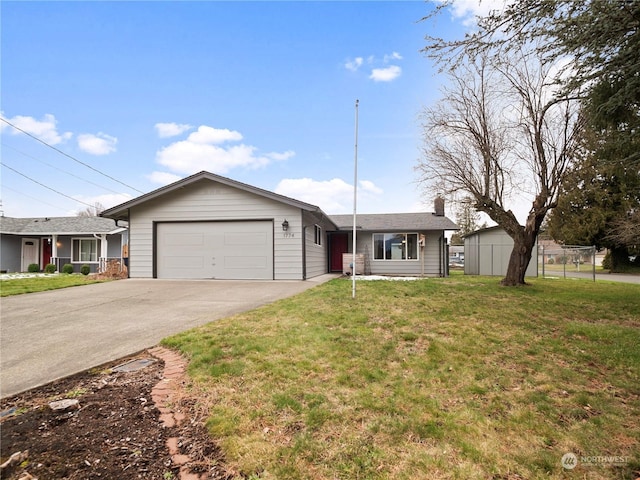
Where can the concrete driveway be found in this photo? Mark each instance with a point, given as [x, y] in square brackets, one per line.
[50, 335]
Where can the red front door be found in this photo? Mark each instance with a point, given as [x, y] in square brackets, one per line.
[46, 251]
[339, 245]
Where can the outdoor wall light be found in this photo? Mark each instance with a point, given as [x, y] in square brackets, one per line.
[285, 225]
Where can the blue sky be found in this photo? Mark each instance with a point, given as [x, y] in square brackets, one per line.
[260, 92]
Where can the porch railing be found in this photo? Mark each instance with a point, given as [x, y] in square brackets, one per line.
[100, 267]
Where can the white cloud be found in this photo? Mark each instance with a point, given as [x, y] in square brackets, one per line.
[171, 129]
[354, 64]
[107, 200]
[99, 144]
[163, 178]
[205, 150]
[44, 129]
[279, 157]
[370, 187]
[383, 72]
[387, 74]
[468, 10]
[210, 135]
[333, 196]
[392, 56]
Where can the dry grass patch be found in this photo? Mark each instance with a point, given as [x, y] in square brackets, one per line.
[442, 379]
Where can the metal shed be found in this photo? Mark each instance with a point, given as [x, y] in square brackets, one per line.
[487, 252]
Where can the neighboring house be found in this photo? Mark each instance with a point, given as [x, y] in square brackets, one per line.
[551, 253]
[59, 240]
[209, 226]
[487, 252]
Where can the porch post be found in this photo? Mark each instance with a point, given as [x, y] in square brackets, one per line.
[54, 250]
[102, 261]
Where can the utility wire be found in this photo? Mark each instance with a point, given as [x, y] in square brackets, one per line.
[45, 186]
[59, 169]
[4, 187]
[69, 156]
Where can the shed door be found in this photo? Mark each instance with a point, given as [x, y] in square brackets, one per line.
[225, 250]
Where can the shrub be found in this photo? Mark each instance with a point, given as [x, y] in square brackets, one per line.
[85, 269]
[551, 261]
[67, 268]
[33, 268]
[50, 268]
[606, 262]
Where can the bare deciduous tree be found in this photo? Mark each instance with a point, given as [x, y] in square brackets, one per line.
[498, 130]
[93, 211]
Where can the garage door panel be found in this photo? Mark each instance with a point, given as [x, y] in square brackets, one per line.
[184, 261]
[225, 250]
[245, 262]
[245, 239]
[179, 240]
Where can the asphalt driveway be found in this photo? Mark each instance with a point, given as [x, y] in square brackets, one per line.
[49, 335]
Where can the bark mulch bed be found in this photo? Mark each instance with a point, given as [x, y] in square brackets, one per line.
[114, 432]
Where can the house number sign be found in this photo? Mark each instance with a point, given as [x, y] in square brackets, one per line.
[288, 235]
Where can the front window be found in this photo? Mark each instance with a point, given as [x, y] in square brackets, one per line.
[85, 250]
[317, 233]
[395, 246]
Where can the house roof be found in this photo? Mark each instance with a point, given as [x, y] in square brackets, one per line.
[120, 212]
[58, 226]
[394, 222]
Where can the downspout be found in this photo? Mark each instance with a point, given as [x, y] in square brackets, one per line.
[445, 256]
[304, 252]
[440, 256]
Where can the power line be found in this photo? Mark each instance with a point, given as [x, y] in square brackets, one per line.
[69, 156]
[4, 187]
[60, 169]
[45, 186]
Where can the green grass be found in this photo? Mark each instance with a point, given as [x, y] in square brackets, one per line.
[454, 378]
[18, 286]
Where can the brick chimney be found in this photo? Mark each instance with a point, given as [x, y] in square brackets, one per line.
[438, 206]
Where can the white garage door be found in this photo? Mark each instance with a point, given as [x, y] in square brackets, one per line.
[226, 250]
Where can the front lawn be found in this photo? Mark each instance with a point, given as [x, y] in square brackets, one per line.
[17, 286]
[454, 378]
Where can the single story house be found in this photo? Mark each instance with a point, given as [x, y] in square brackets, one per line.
[60, 240]
[209, 226]
[487, 252]
[394, 243]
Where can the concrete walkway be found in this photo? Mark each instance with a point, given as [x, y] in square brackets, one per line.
[49, 335]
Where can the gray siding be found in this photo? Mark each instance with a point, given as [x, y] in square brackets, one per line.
[316, 255]
[10, 253]
[114, 246]
[211, 201]
[430, 255]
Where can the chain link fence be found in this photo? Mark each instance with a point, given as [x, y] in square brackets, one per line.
[567, 261]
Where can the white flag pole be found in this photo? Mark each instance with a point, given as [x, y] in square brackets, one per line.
[355, 198]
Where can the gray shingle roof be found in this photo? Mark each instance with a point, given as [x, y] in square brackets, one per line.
[394, 222]
[58, 225]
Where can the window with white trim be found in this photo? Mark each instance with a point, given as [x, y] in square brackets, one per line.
[395, 246]
[317, 234]
[85, 250]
